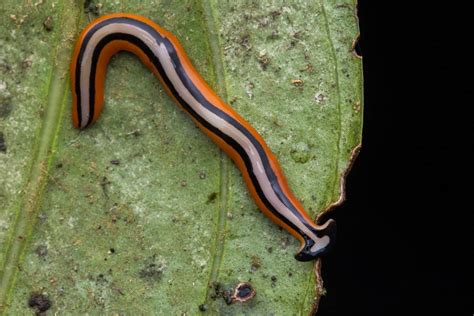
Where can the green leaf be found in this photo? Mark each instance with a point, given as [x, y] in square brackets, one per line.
[142, 213]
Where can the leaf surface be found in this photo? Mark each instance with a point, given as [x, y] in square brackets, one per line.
[141, 212]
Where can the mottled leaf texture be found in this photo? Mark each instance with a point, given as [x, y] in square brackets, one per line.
[142, 213]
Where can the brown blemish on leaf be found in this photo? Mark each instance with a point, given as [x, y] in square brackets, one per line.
[297, 82]
[242, 293]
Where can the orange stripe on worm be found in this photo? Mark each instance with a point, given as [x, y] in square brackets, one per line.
[161, 52]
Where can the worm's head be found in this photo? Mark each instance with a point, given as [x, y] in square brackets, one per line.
[314, 248]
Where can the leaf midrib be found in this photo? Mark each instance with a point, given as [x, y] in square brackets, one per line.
[27, 209]
[210, 18]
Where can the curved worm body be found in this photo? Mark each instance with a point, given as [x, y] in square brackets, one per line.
[161, 52]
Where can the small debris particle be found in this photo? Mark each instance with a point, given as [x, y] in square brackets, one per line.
[39, 302]
[297, 82]
[274, 35]
[115, 162]
[3, 145]
[202, 175]
[135, 133]
[59, 165]
[244, 41]
[112, 250]
[184, 183]
[297, 34]
[256, 263]
[308, 68]
[203, 307]
[118, 289]
[41, 251]
[104, 183]
[42, 217]
[319, 97]
[91, 7]
[273, 278]
[48, 24]
[101, 279]
[270, 249]
[356, 106]
[25, 64]
[263, 59]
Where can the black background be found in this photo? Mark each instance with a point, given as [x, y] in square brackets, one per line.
[405, 231]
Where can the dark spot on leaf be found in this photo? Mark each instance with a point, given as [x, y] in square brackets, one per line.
[3, 145]
[5, 108]
[275, 14]
[203, 307]
[101, 279]
[227, 295]
[48, 24]
[115, 162]
[39, 302]
[211, 197]
[26, 63]
[152, 271]
[202, 175]
[59, 165]
[263, 60]
[244, 41]
[41, 251]
[274, 279]
[112, 250]
[256, 263]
